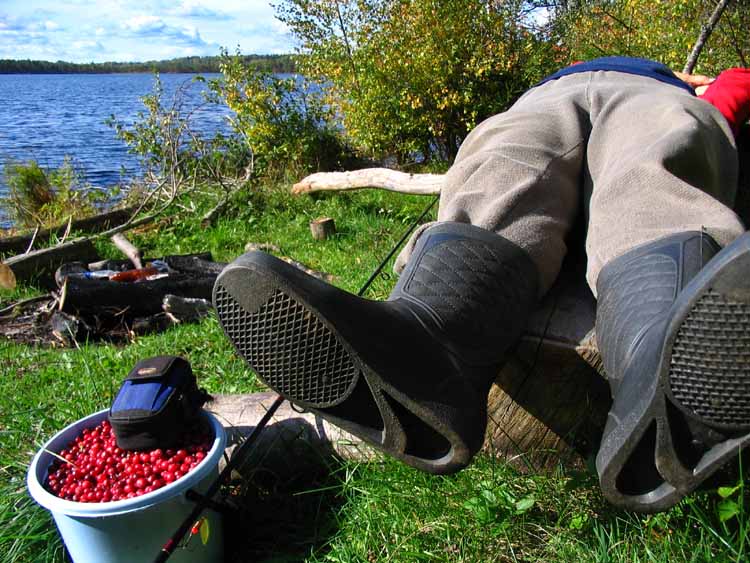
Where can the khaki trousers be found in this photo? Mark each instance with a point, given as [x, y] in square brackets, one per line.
[643, 159]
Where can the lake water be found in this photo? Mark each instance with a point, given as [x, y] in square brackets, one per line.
[48, 116]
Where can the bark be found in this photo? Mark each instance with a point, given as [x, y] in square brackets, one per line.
[705, 33]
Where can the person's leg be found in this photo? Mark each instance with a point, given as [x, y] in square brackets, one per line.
[519, 173]
[673, 309]
[411, 375]
[662, 162]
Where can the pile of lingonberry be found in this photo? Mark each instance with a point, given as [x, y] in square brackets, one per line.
[96, 470]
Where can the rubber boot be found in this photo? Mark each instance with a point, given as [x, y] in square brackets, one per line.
[410, 375]
[673, 328]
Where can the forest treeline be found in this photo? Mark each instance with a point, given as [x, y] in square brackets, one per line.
[266, 63]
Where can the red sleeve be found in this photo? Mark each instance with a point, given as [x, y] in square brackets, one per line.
[730, 93]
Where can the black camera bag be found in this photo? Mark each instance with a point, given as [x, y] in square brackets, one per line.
[157, 400]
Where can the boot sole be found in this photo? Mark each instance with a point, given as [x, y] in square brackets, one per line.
[704, 373]
[708, 347]
[290, 347]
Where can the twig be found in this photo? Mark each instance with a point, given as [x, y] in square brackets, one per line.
[23, 302]
[67, 229]
[33, 239]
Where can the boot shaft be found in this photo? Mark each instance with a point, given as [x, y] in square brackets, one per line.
[471, 289]
[637, 289]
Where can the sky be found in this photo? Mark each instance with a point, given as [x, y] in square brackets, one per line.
[137, 30]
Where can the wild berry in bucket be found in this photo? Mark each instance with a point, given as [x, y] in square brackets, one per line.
[96, 470]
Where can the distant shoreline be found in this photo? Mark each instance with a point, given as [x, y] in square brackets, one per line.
[279, 64]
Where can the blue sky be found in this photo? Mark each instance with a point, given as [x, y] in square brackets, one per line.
[136, 30]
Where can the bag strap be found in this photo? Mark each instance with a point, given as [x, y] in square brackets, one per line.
[157, 367]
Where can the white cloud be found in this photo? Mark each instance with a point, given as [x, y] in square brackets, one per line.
[137, 29]
[144, 25]
[87, 45]
[193, 9]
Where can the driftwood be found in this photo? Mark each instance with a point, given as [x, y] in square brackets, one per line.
[384, 178]
[95, 224]
[40, 265]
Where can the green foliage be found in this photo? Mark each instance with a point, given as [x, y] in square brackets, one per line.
[39, 196]
[282, 119]
[410, 76]
[164, 139]
[663, 30]
[495, 504]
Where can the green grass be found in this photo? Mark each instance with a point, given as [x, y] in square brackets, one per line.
[334, 511]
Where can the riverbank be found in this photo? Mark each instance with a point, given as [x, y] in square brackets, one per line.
[266, 63]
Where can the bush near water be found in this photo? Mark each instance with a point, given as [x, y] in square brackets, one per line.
[402, 79]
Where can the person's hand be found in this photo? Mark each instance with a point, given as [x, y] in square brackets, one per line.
[698, 82]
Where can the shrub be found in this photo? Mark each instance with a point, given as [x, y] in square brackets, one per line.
[39, 196]
[283, 119]
[414, 76]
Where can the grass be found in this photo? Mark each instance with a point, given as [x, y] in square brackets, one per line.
[334, 511]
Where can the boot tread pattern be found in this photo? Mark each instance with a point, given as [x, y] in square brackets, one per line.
[710, 362]
[288, 347]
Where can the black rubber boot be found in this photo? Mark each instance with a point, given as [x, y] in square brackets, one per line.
[409, 375]
[673, 328]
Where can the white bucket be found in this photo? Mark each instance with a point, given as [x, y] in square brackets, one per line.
[134, 529]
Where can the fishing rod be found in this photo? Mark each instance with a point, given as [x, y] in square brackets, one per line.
[206, 499]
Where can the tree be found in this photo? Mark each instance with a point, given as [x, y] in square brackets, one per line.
[658, 29]
[414, 76]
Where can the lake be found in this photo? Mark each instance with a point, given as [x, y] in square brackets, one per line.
[48, 116]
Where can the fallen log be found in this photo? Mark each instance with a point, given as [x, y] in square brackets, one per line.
[190, 276]
[39, 265]
[383, 178]
[95, 224]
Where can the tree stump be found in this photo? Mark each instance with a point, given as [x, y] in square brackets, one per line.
[322, 228]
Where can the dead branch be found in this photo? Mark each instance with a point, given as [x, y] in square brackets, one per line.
[128, 249]
[383, 178]
[705, 33]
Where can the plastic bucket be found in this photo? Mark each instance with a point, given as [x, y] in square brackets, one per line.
[133, 529]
